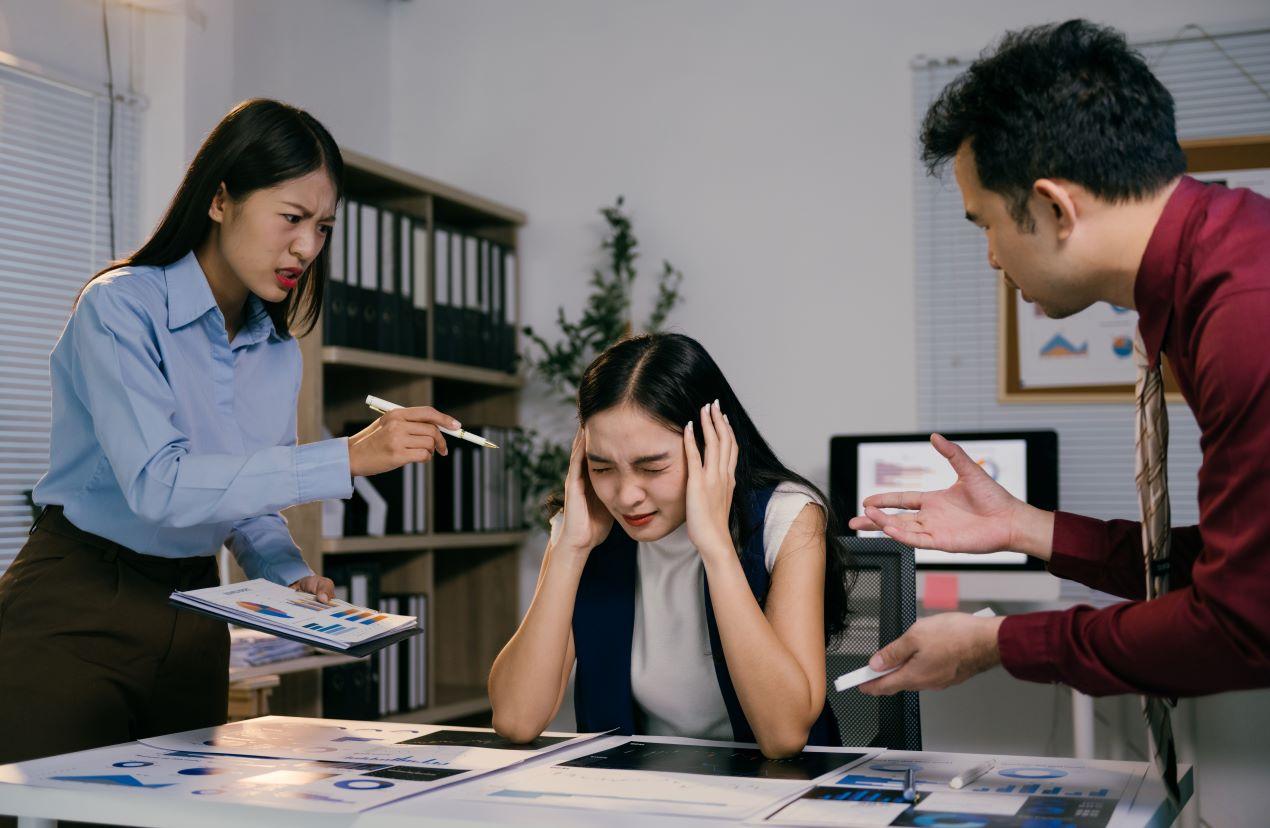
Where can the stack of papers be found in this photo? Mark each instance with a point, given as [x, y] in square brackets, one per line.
[337, 626]
[318, 766]
[251, 648]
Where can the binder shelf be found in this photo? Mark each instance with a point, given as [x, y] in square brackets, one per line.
[417, 367]
[422, 308]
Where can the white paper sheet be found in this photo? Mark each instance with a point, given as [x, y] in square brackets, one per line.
[1010, 777]
[289, 784]
[821, 812]
[353, 741]
[654, 791]
[958, 802]
[337, 624]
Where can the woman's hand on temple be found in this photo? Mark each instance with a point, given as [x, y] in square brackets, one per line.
[586, 521]
[711, 481]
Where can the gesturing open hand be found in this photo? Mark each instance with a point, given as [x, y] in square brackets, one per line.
[711, 481]
[975, 514]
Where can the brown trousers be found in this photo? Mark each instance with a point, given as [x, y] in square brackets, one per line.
[92, 654]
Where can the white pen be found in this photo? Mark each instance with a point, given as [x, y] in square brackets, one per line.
[383, 407]
[964, 778]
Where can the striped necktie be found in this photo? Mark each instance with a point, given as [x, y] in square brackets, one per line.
[1151, 473]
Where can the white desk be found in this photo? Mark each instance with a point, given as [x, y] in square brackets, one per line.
[1142, 804]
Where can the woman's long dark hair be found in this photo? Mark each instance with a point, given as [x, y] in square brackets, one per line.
[260, 143]
[670, 377]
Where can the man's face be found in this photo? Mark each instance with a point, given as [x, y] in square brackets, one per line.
[1041, 263]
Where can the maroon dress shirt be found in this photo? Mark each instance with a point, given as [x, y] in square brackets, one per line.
[1203, 297]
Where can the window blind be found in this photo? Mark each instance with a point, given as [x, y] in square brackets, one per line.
[54, 233]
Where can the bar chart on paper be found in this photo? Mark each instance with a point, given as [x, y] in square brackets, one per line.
[935, 770]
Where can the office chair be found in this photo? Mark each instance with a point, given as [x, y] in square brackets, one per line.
[883, 605]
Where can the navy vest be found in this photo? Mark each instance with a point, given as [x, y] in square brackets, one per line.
[604, 625]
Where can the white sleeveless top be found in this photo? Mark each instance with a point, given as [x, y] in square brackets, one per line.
[673, 679]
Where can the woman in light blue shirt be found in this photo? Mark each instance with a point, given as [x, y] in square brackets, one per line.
[175, 385]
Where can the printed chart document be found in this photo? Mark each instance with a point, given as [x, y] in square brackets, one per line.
[931, 771]
[662, 775]
[829, 805]
[826, 805]
[263, 605]
[1017, 791]
[310, 785]
[1012, 775]
[452, 750]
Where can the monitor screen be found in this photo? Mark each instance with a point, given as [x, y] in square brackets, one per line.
[1024, 463]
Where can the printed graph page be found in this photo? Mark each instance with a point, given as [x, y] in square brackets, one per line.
[1017, 791]
[422, 746]
[262, 602]
[828, 805]
[1011, 774]
[310, 785]
[659, 775]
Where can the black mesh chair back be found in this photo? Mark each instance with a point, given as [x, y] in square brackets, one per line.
[883, 605]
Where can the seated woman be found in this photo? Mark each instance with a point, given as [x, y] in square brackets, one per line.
[692, 575]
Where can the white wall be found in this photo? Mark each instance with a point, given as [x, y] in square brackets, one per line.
[330, 57]
[765, 148]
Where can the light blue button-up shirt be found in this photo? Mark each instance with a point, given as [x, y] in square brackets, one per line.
[171, 440]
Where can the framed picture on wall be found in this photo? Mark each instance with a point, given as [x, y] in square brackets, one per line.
[1088, 357]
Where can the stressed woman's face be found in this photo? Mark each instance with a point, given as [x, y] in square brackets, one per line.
[271, 237]
[638, 470]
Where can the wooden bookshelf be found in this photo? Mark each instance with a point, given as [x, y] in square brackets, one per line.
[414, 367]
[418, 543]
[286, 668]
[471, 704]
[452, 702]
[470, 578]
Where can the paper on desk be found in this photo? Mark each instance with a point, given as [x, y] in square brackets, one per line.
[837, 806]
[866, 673]
[1020, 790]
[888, 769]
[1012, 775]
[1060, 777]
[960, 802]
[312, 786]
[638, 775]
[341, 740]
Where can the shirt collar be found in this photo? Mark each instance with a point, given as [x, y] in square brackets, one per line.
[257, 324]
[1153, 287]
[190, 298]
[189, 294]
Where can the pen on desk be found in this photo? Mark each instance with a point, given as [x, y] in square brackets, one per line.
[910, 785]
[383, 407]
[964, 778]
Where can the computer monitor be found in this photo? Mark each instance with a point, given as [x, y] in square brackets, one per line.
[1024, 462]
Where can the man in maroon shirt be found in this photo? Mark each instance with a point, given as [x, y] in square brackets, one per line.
[1064, 147]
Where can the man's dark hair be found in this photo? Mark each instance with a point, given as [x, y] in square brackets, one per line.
[1068, 100]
